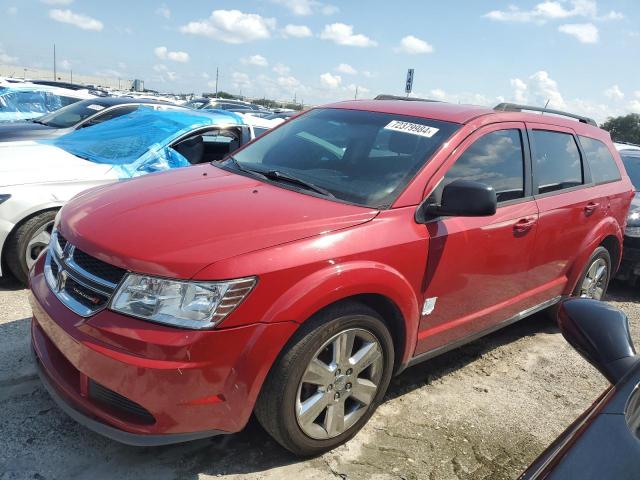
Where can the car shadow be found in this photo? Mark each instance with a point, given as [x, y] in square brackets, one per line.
[8, 283]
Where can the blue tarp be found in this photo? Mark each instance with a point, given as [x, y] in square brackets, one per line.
[26, 102]
[137, 143]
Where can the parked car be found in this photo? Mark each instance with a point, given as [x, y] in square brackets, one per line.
[630, 267]
[82, 114]
[604, 442]
[37, 178]
[222, 104]
[297, 276]
[22, 101]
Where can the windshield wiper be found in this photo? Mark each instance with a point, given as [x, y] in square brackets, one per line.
[285, 177]
[280, 177]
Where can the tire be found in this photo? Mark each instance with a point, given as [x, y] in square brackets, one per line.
[21, 243]
[278, 408]
[600, 256]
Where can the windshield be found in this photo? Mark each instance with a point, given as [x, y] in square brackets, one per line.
[359, 157]
[71, 115]
[632, 165]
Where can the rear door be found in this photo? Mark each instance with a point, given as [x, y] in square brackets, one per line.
[477, 268]
[569, 205]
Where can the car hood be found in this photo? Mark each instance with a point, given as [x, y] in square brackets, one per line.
[26, 131]
[176, 223]
[24, 163]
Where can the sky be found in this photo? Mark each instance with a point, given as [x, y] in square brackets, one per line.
[579, 55]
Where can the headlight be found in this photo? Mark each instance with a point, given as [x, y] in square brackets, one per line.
[180, 303]
[4, 198]
[633, 224]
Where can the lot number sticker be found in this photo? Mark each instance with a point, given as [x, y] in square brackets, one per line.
[97, 108]
[412, 128]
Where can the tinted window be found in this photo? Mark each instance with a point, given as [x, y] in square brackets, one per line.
[495, 159]
[601, 163]
[366, 158]
[71, 115]
[631, 160]
[113, 113]
[556, 161]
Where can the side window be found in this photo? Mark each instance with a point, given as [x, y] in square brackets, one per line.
[495, 159]
[601, 163]
[556, 161]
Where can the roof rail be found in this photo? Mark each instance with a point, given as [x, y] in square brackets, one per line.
[408, 99]
[514, 107]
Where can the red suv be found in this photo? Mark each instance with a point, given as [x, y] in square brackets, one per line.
[296, 277]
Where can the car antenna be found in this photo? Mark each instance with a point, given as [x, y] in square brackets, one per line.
[546, 105]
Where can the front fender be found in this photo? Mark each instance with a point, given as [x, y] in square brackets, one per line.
[608, 226]
[344, 280]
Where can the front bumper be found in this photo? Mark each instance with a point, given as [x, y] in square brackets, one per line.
[155, 384]
[630, 265]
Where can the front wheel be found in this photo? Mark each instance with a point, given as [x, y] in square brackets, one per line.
[26, 242]
[329, 381]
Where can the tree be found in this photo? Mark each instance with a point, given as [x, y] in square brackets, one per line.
[625, 128]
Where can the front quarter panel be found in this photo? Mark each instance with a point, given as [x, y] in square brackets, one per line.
[385, 256]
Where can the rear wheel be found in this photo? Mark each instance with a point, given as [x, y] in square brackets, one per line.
[595, 279]
[329, 381]
[26, 243]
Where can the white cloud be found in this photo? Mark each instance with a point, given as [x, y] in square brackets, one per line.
[232, 26]
[288, 82]
[541, 88]
[368, 74]
[65, 64]
[163, 11]
[12, 10]
[353, 88]
[5, 57]
[552, 10]
[256, 60]
[519, 90]
[330, 81]
[77, 19]
[584, 32]
[414, 46]
[614, 93]
[342, 34]
[634, 105]
[165, 73]
[163, 53]
[346, 69]
[57, 2]
[296, 31]
[281, 69]
[239, 81]
[307, 7]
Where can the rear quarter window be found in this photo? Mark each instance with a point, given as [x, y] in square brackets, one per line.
[601, 163]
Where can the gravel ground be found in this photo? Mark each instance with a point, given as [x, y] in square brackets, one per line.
[485, 410]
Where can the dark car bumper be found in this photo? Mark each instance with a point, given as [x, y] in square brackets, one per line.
[630, 265]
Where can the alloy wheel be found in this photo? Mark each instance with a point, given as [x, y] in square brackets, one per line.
[339, 383]
[595, 281]
[38, 242]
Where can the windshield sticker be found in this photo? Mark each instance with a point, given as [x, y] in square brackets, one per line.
[412, 128]
[97, 108]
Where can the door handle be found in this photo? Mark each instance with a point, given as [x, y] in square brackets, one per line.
[590, 208]
[524, 225]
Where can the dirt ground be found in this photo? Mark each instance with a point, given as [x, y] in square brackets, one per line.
[484, 411]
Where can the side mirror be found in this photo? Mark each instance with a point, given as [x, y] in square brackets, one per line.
[600, 333]
[462, 198]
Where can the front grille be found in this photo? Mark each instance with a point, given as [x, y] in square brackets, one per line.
[119, 403]
[83, 283]
[97, 267]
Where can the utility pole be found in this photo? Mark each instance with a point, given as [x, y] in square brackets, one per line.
[55, 73]
[355, 97]
[71, 76]
[217, 82]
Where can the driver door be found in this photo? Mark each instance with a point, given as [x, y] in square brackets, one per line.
[477, 267]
